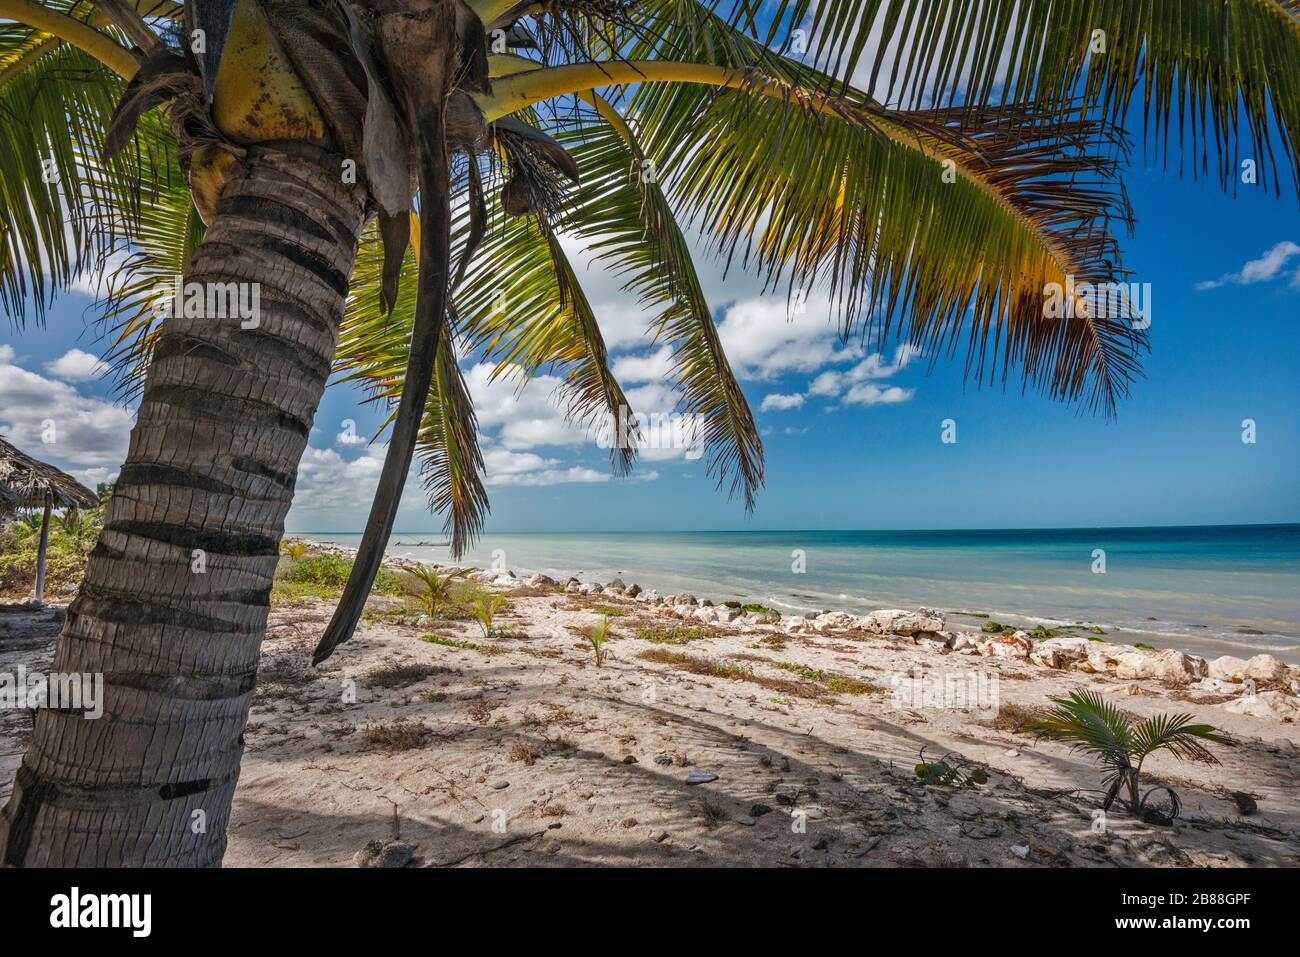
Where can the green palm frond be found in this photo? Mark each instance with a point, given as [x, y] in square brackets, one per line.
[1227, 71]
[1177, 734]
[524, 307]
[451, 461]
[1090, 723]
[630, 228]
[62, 208]
[122, 227]
[372, 352]
[166, 231]
[850, 202]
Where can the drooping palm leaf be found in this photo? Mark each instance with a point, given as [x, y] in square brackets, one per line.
[622, 212]
[62, 208]
[372, 352]
[525, 307]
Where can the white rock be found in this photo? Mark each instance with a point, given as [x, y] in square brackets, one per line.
[897, 622]
[1266, 668]
[588, 588]
[1103, 657]
[1217, 686]
[1060, 652]
[796, 623]
[1227, 668]
[1017, 645]
[728, 615]
[506, 581]
[835, 619]
[1266, 704]
[1168, 665]
[539, 580]
[707, 614]
[965, 641]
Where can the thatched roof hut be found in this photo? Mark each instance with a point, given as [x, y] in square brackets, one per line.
[28, 483]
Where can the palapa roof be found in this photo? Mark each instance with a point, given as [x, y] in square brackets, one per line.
[26, 482]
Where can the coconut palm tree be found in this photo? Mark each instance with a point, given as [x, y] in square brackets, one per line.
[281, 145]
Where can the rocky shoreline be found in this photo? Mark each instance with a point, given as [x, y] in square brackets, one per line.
[1260, 686]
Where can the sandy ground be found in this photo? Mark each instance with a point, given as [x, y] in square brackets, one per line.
[518, 750]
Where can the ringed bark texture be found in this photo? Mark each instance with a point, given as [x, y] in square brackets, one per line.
[174, 604]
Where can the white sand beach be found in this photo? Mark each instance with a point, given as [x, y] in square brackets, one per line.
[714, 737]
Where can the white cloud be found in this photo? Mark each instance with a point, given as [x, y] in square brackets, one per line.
[1263, 269]
[652, 367]
[92, 477]
[871, 394]
[856, 385]
[780, 402]
[528, 417]
[53, 421]
[330, 482]
[76, 366]
[763, 340]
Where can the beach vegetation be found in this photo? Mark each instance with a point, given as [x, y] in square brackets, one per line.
[486, 606]
[73, 533]
[732, 671]
[832, 680]
[429, 589]
[461, 644]
[323, 576]
[674, 634]
[597, 635]
[948, 771]
[294, 551]
[1120, 743]
[399, 735]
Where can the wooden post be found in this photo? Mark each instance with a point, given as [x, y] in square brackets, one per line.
[40, 553]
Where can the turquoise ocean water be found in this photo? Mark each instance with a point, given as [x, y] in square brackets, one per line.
[1210, 589]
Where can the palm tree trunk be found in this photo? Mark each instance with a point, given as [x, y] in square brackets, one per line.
[174, 604]
[41, 549]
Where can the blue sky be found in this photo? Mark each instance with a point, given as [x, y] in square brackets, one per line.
[863, 449]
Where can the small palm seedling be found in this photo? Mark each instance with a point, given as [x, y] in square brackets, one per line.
[485, 610]
[294, 550]
[430, 589]
[1120, 745]
[597, 636]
